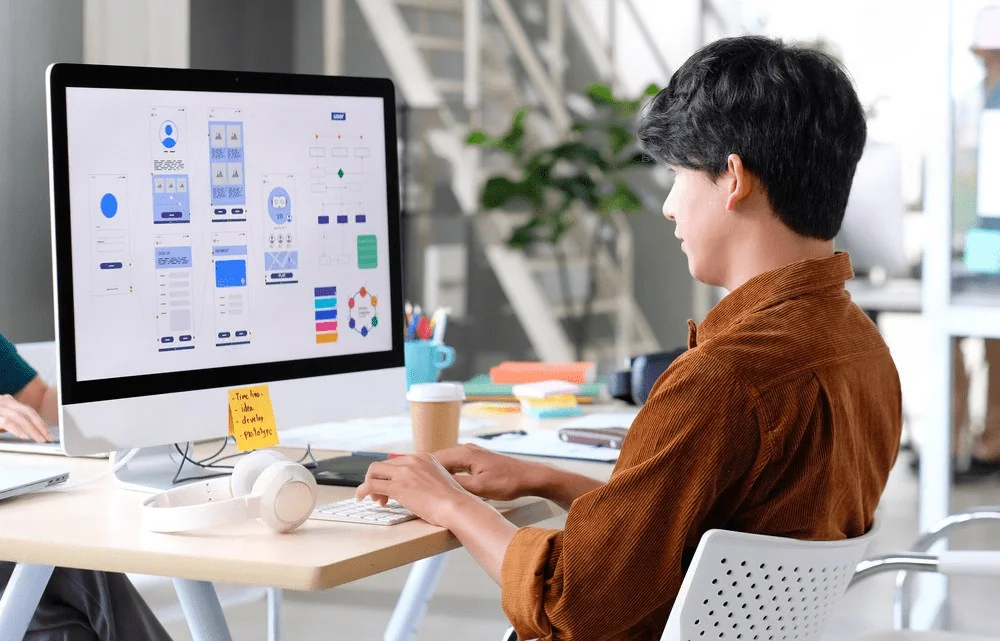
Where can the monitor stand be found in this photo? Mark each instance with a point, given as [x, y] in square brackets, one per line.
[153, 469]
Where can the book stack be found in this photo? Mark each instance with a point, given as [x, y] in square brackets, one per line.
[548, 399]
[498, 385]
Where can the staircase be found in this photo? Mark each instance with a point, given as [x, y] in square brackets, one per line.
[467, 64]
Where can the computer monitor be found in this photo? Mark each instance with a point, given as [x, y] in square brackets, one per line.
[214, 230]
[872, 231]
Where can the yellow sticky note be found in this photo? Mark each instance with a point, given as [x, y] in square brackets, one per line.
[251, 418]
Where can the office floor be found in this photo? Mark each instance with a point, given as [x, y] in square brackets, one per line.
[467, 603]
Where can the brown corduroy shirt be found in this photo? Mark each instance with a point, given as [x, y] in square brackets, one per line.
[782, 418]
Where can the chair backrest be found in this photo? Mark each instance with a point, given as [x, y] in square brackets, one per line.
[43, 358]
[748, 587]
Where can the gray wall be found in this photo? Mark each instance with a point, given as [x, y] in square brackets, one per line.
[33, 33]
[246, 35]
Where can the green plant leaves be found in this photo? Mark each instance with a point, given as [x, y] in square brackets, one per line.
[620, 137]
[585, 168]
[623, 199]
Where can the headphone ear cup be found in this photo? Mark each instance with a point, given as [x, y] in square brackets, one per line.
[286, 493]
[249, 468]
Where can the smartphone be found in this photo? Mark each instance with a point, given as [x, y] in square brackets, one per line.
[601, 436]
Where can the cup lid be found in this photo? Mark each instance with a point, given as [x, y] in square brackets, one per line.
[435, 393]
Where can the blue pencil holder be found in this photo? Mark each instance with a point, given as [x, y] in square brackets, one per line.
[425, 360]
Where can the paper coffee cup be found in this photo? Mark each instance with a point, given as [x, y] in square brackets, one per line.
[435, 412]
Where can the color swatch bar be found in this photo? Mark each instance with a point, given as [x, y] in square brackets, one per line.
[325, 312]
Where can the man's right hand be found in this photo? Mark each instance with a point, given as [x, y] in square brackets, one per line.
[21, 420]
[491, 475]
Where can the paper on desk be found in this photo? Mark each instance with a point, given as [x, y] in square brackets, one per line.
[602, 420]
[360, 435]
[545, 443]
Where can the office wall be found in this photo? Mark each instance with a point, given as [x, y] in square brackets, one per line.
[32, 35]
[247, 35]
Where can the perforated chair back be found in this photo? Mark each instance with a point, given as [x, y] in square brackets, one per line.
[747, 587]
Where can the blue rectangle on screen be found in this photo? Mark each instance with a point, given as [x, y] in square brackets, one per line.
[323, 220]
[229, 250]
[173, 257]
[360, 218]
[230, 273]
[325, 291]
[326, 314]
[342, 219]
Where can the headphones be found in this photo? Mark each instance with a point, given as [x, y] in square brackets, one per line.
[264, 485]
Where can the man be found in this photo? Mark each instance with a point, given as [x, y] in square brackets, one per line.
[985, 457]
[784, 415]
[77, 605]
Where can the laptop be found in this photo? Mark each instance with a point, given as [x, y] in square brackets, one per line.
[16, 480]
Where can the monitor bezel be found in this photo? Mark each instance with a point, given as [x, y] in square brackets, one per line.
[62, 76]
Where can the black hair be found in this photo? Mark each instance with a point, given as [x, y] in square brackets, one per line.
[790, 113]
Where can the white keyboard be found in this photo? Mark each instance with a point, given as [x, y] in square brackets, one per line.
[364, 511]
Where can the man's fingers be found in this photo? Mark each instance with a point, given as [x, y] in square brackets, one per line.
[378, 489]
[455, 459]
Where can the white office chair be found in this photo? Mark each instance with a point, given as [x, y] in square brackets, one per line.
[745, 587]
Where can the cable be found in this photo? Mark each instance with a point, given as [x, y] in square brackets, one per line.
[117, 465]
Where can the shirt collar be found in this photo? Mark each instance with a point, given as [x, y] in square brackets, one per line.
[764, 290]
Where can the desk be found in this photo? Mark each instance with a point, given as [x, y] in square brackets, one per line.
[896, 295]
[97, 527]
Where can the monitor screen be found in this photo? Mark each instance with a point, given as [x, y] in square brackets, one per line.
[224, 229]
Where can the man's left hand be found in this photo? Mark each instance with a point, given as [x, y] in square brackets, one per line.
[419, 483]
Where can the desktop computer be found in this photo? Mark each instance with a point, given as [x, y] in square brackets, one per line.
[214, 230]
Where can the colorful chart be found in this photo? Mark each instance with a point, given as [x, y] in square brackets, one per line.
[362, 309]
[325, 314]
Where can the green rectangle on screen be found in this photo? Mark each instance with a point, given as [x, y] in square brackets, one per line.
[367, 252]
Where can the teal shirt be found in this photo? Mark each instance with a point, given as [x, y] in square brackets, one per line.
[15, 372]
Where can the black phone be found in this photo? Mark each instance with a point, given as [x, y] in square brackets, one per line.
[345, 471]
[601, 436]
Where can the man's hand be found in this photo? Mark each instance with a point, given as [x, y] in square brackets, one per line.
[491, 475]
[504, 478]
[424, 487]
[419, 483]
[21, 420]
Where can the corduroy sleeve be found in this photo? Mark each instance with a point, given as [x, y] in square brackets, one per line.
[615, 569]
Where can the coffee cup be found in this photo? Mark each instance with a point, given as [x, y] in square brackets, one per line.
[435, 412]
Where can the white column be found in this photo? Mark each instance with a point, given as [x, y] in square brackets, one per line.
[333, 37]
[153, 33]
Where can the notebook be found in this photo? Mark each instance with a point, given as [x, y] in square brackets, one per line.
[515, 372]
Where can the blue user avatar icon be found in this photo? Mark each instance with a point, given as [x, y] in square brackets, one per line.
[168, 134]
[109, 205]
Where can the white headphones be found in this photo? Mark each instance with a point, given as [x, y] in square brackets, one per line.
[264, 485]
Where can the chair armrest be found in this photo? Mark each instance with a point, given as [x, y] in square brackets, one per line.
[969, 563]
[509, 635]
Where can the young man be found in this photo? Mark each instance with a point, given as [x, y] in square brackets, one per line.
[77, 605]
[784, 415]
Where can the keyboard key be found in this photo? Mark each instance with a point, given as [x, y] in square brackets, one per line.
[365, 511]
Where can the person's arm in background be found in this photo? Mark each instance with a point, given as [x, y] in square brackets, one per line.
[22, 396]
[42, 398]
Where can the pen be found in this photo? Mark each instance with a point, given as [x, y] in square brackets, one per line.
[509, 433]
[382, 456]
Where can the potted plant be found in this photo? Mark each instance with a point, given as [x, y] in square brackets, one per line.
[586, 171]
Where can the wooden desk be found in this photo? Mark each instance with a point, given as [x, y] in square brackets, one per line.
[97, 527]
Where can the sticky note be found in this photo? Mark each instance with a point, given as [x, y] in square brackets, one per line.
[251, 418]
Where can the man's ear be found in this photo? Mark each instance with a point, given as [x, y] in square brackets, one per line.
[738, 180]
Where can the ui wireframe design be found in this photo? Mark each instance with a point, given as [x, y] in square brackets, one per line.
[218, 229]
